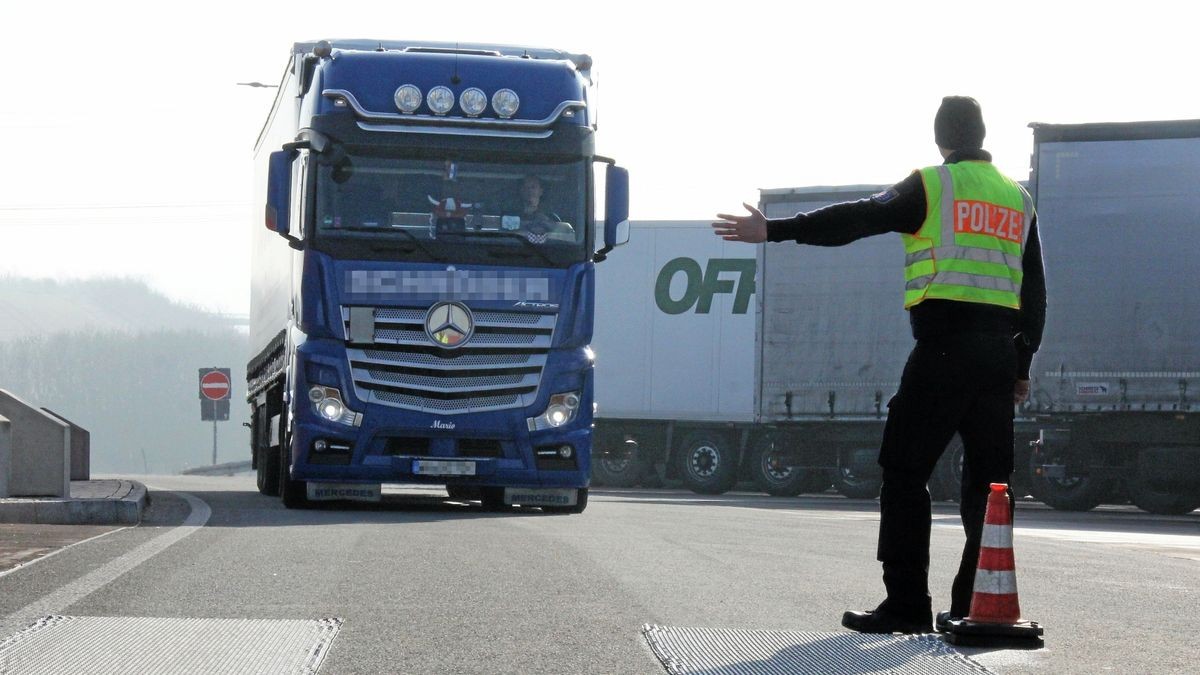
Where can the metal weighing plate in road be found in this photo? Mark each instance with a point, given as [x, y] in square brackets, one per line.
[442, 467]
[85, 645]
[691, 651]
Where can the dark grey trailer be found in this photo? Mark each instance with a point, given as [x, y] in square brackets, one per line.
[1117, 379]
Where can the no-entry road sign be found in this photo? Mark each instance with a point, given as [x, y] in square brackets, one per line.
[214, 384]
[214, 396]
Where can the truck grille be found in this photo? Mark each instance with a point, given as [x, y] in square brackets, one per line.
[499, 368]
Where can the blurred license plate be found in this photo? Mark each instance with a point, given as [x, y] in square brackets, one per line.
[540, 496]
[438, 467]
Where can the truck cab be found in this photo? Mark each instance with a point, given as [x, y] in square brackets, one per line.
[423, 287]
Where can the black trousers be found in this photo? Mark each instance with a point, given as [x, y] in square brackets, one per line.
[955, 383]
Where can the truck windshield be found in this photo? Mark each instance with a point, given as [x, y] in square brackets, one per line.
[452, 210]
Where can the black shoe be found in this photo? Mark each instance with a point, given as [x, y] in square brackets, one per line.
[943, 619]
[881, 620]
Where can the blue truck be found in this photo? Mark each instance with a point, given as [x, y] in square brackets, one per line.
[423, 288]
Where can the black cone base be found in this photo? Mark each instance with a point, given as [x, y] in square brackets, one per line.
[1020, 635]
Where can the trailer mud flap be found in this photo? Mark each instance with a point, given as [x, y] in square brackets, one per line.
[541, 496]
[357, 492]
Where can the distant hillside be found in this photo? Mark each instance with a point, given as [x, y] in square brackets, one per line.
[33, 307]
[122, 361]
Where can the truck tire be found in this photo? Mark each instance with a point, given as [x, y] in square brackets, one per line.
[581, 499]
[621, 468]
[1077, 493]
[946, 482]
[707, 462]
[267, 472]
[1150, 498]
[852, 483]
[852, 486]
[1153, 496]
[773, 477]
[293, 492]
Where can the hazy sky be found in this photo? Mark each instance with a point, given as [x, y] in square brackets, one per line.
[128, 144]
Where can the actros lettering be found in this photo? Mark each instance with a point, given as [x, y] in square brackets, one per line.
[700, 285]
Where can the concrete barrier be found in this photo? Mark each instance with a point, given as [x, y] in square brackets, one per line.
[81, 448]
[40, 454]
[5, 454]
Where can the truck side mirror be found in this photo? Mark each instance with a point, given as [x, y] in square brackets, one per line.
[616, 210]
[279, 191]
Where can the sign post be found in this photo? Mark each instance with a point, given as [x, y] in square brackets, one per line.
[215, 389]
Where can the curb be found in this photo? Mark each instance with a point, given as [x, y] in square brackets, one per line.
[123, 510]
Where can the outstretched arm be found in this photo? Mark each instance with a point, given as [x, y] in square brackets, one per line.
[900, 208]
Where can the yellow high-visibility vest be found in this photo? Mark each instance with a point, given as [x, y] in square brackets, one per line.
[970, 246]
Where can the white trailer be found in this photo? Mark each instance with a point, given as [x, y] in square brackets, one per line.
[720, 361]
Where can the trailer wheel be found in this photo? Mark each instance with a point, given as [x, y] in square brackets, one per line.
[620, 467]
[946, 482]
[1150, 494]
[1074, 493]
[581, 499]
[707, 462]
[851, 481]
[267, 472]
[771, 475]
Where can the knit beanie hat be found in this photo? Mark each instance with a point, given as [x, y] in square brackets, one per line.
[959, 124]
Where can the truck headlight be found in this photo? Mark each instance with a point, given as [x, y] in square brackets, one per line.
[408, 98]
[441, 100]
[505, 102]
[332, 409]
[562, 410]
[327, 402]
[473, 101]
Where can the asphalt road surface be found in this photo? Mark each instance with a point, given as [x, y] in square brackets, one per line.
[421, 584]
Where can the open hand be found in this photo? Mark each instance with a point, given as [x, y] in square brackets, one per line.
[751, 229]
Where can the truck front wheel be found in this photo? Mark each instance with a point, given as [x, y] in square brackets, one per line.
[293, 492]
[707, 462]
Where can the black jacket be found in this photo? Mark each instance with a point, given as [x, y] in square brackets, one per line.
[902, 208]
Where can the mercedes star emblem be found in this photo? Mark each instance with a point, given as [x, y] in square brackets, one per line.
[449, 324]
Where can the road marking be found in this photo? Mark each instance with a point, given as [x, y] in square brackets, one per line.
[56, 602]
[56, 551]
[1182, 541]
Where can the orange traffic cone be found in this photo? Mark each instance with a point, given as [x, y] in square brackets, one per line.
[995, 618]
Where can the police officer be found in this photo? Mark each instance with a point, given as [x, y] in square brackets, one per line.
[976, 295]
